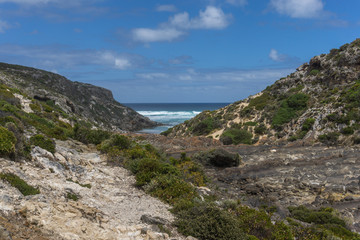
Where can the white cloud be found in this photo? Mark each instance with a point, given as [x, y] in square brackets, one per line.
[113, 60]
[153, 76]
[299, 8]
[51, 57]
[156, 35]
[166, 8]
[211, 18]
[237, 2]
[274, 55]
[216, 77]
[3, 26]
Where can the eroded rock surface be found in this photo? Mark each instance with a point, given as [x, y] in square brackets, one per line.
[291, 176]
[109, 206]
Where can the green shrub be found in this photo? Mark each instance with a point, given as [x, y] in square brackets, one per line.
[347, 131]
[260, 102]
[289, 108]
[43, 142]
[237, 136]
[261, 129]
[250, 124]
[314, 72]
[35, 107]
[205, 126]
[307, 125]
[283, 115]
[7, 142]
[86, 135]
[118, 141]
[337, 118]
[206, 221]
[146, 169]
[72, 196]
[322, 216]
[20, 184]
[192, 172]
[298, 101]
[218, 157]
[329, 138]
[167, 132]
[258, 224]
[171, 188]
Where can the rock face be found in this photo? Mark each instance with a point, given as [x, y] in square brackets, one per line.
[283, 176]
[109, 206]
[293, 176]
[318, 102]
[91, 103]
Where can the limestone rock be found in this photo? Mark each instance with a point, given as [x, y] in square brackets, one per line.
[109, 206]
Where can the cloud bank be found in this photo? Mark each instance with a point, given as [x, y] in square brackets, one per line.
[178, 25]
[299, 8]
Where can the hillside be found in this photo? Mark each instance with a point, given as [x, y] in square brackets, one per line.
[77, 100]
[320, 102]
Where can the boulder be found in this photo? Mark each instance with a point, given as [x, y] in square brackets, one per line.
[218, 157]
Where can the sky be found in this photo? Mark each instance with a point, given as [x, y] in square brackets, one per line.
[166, 51]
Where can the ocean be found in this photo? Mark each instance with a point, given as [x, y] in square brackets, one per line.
[171, 114]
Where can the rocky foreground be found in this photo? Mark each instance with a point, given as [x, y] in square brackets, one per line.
[315, 176]
[108, 205]
[83, 197]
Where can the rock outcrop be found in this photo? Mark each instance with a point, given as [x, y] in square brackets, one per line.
[107, 204]
[81, 100]
[320, 102]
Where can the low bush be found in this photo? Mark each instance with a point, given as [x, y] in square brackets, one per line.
[167, 132]
[7, 142]
[347, 131]
[314, 72]
[289, 109]
[20, 184]
[322, 216]
[207, 221]
[205, 126]
[237, 136]
[260, 102]
[86, 135]
[171, 188]
[72, 196]
[260, 129]
[117, 141]
[258, 223]
[327, 224]
[43, 142]
[307, 125]
[329, 138]
[218, 157]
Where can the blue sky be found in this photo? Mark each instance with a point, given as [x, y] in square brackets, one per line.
[174, 51]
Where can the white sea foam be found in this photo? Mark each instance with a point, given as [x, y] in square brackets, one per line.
[166, 113]
[169, 117]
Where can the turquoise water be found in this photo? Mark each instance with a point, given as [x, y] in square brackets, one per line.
[171, 114]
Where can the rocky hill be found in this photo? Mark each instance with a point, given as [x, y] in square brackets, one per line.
[79, 100]
[320, 102]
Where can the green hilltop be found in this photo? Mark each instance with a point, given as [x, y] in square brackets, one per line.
[320, 102]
